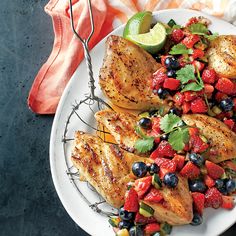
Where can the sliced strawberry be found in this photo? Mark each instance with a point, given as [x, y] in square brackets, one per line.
[171, 84]
[197, 144]
[193, 131]
[131, 201]
[225, 85]
[197, 53]
[208, 89]
[186, 107]
[209, 182]
[191, 21]
[198, 202]
[165, 165]
[230, 123]
[179, 159]
[156, 124]
[229, 164]
[198, 106]
[198, 65]
[213, 170]
[209, 76]
[213, 198]
[178, 98]
[159, 77]
[140, 219]
[177, 35]
[228, 202]
[190, 40]
[189, 96]
[154, 196]
[190, 171]
[152, 228]
[163, 150]
[142, 185]
[220, 96]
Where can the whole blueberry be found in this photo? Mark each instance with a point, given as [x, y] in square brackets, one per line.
[171, 180]
[154, 169]
[126, 215]
[197, 219]
[145, 123]
[196, 159]
[230, 185]
[124, 224]
[171, 63]
[162, 93]
[175, 111]
[139, 169]
[164, 137]
[136, 231]
[219, 183]
[197, 186]
[226, 104]
[171, 73]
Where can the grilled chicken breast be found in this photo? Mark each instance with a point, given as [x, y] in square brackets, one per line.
[125, 76]
[108, 169]
[222, 55]
[222, 139]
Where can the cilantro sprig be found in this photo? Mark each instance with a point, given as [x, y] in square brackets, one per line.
[187, 74]
[180, 49]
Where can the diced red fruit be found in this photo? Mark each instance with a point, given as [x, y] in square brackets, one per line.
[193, 131]
[198, 201]
[131, 201]
[230, 123]
[213, 198]
[213, 170]
[209, 182]
[166, 165]
[197, 144]
[144, 220]
[154, 196]
[234, 101]
[142, 185]
[191, 21]
[190, 171]
[158, 78]
[178, 98]
[208, 89]
[190, 40]
[228, 202]
[220, 96]
[156, 124]
[179, 159]
[152, 228]
[209, 76]
[186, 107]
[163, 150]
[197, 53]
[198, 106]
[229, 164]
[171, 83]
[199, 65]
[177, 35]
[189, 96]
[225, 85]
[186, 147]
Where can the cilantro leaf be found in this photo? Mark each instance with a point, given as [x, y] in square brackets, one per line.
[180, 49]
[192, 87]
[198, 28]
[186, 74]
[140, 132]
[169, 121]
[212, 36]
[144, 145]
[178, 138]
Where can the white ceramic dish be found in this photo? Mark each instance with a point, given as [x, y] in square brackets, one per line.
[215, 221]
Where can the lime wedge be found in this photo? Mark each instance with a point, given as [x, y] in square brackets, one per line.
[153, 41]
[138, 24]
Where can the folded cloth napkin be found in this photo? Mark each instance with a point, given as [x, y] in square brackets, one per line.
[67, 51]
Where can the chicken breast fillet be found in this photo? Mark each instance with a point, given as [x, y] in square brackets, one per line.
[222, 139]
[125, 76]
[108, 169]
[222, 55]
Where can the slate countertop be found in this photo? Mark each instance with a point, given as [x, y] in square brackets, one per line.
[29, 205]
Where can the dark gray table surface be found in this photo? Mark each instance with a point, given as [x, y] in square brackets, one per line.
[29, 204]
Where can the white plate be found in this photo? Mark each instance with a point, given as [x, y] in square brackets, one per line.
[215, 221]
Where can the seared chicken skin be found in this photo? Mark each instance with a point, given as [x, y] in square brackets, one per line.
[222, 55]
[222, 139]
[108, 169]
[125, 76]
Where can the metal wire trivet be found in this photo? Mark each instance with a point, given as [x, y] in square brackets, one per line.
[94, 103]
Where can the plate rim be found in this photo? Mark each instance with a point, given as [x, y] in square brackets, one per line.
[59, 110]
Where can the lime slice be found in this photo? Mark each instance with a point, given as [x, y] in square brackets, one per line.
[138, 24]
[153, 41]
